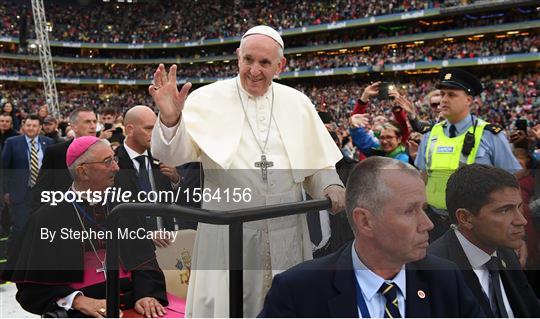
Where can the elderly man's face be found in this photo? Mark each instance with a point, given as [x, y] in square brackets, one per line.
[102, 168]
[258, 62]
[401, 227]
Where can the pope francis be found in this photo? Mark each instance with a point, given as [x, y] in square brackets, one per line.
[258, 136]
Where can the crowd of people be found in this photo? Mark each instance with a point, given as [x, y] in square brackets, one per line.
[437, 50]
[130, 23]
[29, 99]
[320, 38]
[376, 56]
[350, 106]
[506, 97]
[372, 139]
[415, 27]
[503, 101]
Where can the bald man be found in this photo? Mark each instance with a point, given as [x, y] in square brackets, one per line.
[140, 172]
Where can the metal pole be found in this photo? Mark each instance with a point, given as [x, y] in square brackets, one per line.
[45, 57]
[236, 278]
[234, 219]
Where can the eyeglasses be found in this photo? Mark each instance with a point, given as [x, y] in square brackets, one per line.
[434, 105]
[387, 137]
[108, 161]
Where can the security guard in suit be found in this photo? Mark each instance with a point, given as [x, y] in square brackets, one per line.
[461, 139]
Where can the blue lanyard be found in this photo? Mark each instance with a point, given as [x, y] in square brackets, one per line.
[87, 216]
[360, 301]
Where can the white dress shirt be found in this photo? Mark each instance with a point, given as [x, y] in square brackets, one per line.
[134, 154]
[478, 259]
[370, 283]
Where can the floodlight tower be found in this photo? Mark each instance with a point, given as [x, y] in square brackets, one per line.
[45, 58]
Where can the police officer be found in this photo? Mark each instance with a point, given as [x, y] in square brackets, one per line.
[460, 139]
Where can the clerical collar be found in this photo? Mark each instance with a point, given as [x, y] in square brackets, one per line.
[266, 95]
[476, 256]
[132, 153]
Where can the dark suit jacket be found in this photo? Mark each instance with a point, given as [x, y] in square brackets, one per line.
[1, 183]
[127, 179]
[325, 287]
[520, 294]
[15, 161]
[7, 134]
[53, 174]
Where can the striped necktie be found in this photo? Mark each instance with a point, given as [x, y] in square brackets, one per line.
[34, 163]
[389, 292]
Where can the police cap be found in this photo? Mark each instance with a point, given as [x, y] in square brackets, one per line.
[459, 79]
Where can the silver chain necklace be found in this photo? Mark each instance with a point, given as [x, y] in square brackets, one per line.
[103, 268]
[264, 163]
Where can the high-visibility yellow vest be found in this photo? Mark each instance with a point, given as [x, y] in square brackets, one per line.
[443, 157]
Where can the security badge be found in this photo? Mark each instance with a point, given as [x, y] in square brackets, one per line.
[445, 149]
[448, 76]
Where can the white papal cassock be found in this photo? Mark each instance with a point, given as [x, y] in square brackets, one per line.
[214, 130]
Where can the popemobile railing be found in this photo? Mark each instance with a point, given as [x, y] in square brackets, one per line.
[234, 219]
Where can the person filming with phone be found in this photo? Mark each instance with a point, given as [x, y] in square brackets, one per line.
[110, 129]
[392, 135]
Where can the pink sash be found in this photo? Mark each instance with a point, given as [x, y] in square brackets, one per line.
[175, 309]
[91, 275]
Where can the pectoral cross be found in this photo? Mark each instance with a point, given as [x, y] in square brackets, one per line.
[264, 164]
[103, 269]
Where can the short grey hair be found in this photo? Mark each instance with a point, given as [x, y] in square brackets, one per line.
[365, 187]
[74, 116]
[87, 156]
